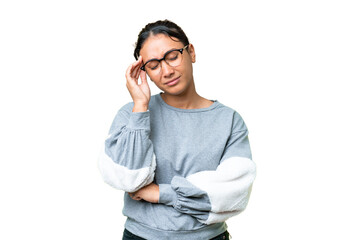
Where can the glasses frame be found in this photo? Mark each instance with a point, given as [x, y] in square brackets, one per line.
[181, 50]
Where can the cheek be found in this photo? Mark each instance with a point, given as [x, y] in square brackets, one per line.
[152, 78]
[187, 64]
[187, 68]
[156, 80]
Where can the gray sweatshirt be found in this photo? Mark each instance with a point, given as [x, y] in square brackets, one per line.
[200, 158]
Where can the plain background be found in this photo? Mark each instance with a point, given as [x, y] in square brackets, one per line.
[290, 68]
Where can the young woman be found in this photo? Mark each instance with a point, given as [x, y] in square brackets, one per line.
[184, 161]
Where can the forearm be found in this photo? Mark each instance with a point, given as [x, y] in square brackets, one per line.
[149, 193]
[212, 196]
[128, 160]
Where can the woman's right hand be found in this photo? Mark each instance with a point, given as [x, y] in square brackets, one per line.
[140, 93]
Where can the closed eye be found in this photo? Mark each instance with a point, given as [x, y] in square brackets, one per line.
[155, 67]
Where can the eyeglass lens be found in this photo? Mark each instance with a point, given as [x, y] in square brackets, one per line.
[172, 58]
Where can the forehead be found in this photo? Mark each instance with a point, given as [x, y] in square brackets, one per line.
[157, 45]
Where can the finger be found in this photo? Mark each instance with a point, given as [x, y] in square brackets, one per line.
[138, 62]
[133, 70]
[142, 73]
[133, 196]
[133, 67]
[130, 79]
[136, 72]
[143, 77]
[128, 71]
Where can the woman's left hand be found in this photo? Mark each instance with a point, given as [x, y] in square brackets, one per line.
[149, 193]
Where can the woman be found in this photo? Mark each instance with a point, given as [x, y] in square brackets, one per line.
[184, 161]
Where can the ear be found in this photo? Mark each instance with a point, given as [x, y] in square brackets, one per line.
[192, 53]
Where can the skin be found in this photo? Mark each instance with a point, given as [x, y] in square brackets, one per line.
[181, 95]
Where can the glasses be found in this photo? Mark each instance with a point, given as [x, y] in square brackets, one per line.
[173, 58]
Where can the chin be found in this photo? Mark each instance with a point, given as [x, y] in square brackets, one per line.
[176, 90]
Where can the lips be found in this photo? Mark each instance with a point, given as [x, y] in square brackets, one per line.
[173, 81]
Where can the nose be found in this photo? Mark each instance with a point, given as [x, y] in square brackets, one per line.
[167, 70]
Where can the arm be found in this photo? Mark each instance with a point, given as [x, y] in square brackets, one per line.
[127, 160]
[214, 196]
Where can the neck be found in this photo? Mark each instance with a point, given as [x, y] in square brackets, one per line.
[186, 100]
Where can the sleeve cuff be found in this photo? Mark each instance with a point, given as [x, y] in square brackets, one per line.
[167, 194]
[139, 120]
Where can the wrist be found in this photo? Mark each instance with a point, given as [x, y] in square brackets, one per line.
[167, 195]
[140, 107]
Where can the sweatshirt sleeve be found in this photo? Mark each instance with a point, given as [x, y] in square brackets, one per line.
[127, 160]
[214, 196]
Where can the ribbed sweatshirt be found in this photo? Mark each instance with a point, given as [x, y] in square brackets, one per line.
[200, 158]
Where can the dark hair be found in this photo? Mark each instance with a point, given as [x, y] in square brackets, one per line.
[162, 26]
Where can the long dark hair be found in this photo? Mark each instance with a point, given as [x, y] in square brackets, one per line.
[162, 26]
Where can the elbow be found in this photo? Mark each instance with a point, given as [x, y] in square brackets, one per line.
[244, 201]
[130, 183]
[122, 178]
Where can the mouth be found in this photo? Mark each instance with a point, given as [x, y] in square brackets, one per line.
[173, 81]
